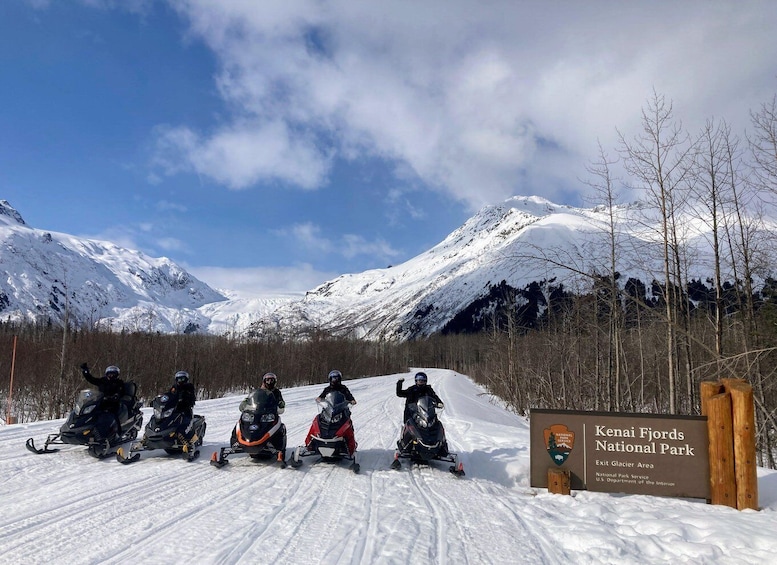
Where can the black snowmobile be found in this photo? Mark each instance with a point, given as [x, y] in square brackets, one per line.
[175, 432]
[327, 435]
[259, 432]
[93, 424]
[423, 438]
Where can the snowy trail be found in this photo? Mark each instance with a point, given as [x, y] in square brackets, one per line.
[70, 507]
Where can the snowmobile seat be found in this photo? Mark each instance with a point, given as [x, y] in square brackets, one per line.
[129, 395]
[129, 398]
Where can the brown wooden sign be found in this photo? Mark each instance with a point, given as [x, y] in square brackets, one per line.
[618, 452]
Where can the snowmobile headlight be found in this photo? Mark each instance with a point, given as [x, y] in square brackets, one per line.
[336, 418]
[247, 416]
[267, 418]
[88, 409]
[166, 413]
[421, 422]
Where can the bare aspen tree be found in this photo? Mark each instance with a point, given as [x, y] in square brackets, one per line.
[762, 143]
[658, 160]
[712, 189]
[607, 196]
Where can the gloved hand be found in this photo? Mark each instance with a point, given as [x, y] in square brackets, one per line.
[282, 404]
[318, 399]
[352, 402]
[84, 367]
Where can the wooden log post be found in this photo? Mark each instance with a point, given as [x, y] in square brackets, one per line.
[708, 389]
[745, 465]
[559, 480]
[721, 436]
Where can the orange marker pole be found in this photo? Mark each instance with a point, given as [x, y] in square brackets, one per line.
[10, 387]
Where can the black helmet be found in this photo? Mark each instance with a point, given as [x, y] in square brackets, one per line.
[182, 377]
[269, 379]
[420, 378]
[335, 376]
[112, 372]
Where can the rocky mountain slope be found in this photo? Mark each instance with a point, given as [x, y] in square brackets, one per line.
[521, 242]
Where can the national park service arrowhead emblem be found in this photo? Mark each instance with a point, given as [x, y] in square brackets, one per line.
[559, 441]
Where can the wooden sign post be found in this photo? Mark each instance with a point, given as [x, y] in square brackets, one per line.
[730, 413]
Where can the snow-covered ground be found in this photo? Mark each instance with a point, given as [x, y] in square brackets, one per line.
[67, 507]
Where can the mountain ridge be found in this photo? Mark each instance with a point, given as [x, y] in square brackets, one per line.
[520, 242]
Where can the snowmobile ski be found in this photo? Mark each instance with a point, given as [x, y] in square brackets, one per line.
[219, 458]
[30, 444]
[190, 453]
[124, 459]
[457, 470]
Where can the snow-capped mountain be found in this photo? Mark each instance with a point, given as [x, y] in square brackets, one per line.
[51, 276]
[521, 241]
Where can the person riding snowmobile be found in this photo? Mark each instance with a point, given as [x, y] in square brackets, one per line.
[278, 440]
[269, 380]
[184, 390]
[416, 391]
[112, 387]
[336, 385]
[422, 437]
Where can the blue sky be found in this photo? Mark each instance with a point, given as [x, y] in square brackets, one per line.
[270, 146]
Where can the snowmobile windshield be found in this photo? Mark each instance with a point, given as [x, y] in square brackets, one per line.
[164, 405]
[86, 401]
[261, 401]
[426, 412]
[334, 408]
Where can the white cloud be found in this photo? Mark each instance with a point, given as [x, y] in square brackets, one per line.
[165, 205]
[171, 244]
[479, 101]
[355, 245]
[310, 236]
[262, 282]
[39, 4]
[399, 206]
[243, 154]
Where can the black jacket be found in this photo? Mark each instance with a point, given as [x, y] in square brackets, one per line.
[111, 388]
[415, 392]
[187, 396]
[340, 387]
[276, 392]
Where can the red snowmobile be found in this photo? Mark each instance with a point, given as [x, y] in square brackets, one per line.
[331, 434]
